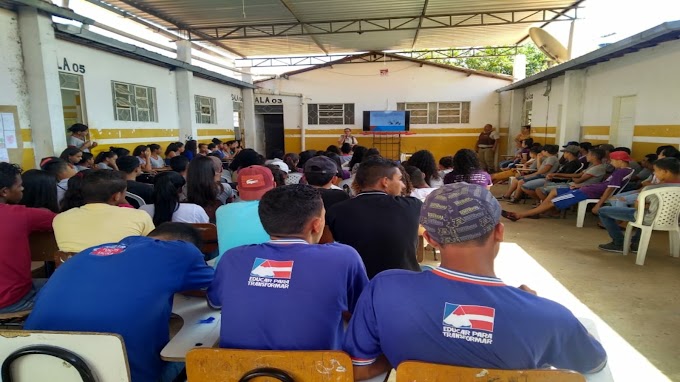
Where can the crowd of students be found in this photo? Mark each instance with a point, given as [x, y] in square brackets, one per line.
[276, 285]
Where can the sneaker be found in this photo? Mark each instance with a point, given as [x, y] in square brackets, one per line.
[502, 197]
[611, 247]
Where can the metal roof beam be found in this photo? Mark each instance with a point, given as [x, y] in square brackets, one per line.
[290, 9]
[434, 54]
[180, 26]
[458, 20]
[420, 24]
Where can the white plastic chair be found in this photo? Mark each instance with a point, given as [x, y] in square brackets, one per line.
[136, 198]
[583, 206]
[666, 219]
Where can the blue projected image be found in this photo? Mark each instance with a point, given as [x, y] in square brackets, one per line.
[388, 121]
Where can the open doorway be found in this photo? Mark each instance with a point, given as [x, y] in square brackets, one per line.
[273, 133]
[72, 99]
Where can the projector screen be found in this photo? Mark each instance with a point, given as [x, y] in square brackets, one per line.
[386, 121]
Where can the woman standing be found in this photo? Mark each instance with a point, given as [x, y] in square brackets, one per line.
[78, 137]
[347, 137]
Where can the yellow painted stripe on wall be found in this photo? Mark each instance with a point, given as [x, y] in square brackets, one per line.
[668, 131]
[26, 135]
[595, 130]
[134, 133]
[414, 130]
[215, 132]
[27, 159]
[640, 149]
[543, 130]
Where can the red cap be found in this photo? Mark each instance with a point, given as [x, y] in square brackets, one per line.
[254, 181]
[620, 155]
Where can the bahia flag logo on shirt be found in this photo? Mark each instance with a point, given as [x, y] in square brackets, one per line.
[472, 323]
[271, 273]
[108, 250]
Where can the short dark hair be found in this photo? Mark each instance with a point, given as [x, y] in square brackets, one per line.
[585, 145]
[178, 231]
[447, 161]
[607, 147]
[276, 153]
[78, 127]
[179, 163]
[551, 149]
[86, 157]
[334, 149]
[660, 149]
[669, 164]
[416, 176]
[216, 141]
[536, 149]
[372, 169]
[528, 141]
[671, 151]
[99, 186]
[597, 153]
[153, 147]
[285, 210]
[624, 149]
[211, 146]
[127, 164]
[120, 151]
[8, 174]
[54, 165]
[651, 158]
[346, 148]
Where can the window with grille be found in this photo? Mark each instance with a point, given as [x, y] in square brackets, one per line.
[528, 106]
[205, 109]
[330, 113]
[437, 112]
[134, 102]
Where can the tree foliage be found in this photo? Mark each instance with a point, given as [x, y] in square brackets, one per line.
[536, 61]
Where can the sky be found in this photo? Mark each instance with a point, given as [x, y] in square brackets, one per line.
[600, 22]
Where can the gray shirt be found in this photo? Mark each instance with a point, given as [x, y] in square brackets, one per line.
[598, 172]
[157, 163]
[552, 161]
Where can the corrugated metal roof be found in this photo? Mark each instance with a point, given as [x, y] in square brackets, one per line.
[206, 13]
[651, 37]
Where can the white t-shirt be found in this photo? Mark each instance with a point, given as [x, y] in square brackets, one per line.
[185, 213]
[278, 162]
[77, 142]
[421, 193]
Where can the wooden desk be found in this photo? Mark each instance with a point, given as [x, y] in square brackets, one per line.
[201, 328]
[515, 267]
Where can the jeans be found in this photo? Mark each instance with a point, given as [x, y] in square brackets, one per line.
[170, 371]
[26, 302]
[609, 216]
[505, 163]
[629, 199]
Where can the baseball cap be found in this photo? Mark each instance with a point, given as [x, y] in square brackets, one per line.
[254, 181]
[459, 212]
[571, 143]
[321, 165]
[620, 155]
[572, 149]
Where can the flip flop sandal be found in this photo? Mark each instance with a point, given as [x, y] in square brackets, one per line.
[509, 215]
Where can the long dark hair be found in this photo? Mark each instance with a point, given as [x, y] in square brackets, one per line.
[69, 152]
[465, 163]
[139, 150]
[171, 147]
[358, 156]
[40, 190]
[120, 151]
[166, 189]
[424, 160]
[191, 146]
[73, 197]
[104, 155]
[201, 186]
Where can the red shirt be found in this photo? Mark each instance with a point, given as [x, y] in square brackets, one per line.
[16, 224]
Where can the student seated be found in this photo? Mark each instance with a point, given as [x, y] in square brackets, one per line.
[167, 190]
[445, 165]
[239, 223]
[593, 174]
[466, 168]
[290, 293]
[563, 198]
[100, 220]
[131, 167]
[424, 160]
[126, 287]
[204, 184]
[106, 160]
[61, 171]
[667, 170]
[569, 170]
[17, 222]
[461, 313]
[420, 189]
[379, 223]
[321, 173]
[155, 157]
[547, 163]
[520, 169]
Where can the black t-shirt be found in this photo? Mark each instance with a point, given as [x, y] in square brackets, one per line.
[143, 190]
[331, 197]
[382, 228]
[570, 167]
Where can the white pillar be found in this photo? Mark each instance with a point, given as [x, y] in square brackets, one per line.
[570, 45]
[185, 95]
[46, 114]
[519, 67]
[572, 107]
[516, 117]
[253, 138]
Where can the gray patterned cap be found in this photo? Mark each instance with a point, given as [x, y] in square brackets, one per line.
[459, 212]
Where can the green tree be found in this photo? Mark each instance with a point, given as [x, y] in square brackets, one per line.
[536, 61]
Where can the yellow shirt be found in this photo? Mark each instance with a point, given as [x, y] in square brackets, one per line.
[98, 223]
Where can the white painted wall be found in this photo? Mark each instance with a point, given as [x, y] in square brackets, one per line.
[545, 108]
[12, 84]
[224, 103]
[362, 85]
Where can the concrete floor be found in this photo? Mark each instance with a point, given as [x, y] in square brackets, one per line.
[641, 303]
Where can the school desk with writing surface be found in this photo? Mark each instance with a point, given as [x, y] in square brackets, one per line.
[624, 363]
[200, 329]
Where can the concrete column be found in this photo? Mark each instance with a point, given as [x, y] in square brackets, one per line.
[572, 107]
[39, 48]
[185, 94]
[519, 67]
[254, 139]
[516, 117]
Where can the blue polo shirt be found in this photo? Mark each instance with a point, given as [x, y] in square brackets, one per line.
[286, 294]
[123, 288]
[455, 318]
[239, 224]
